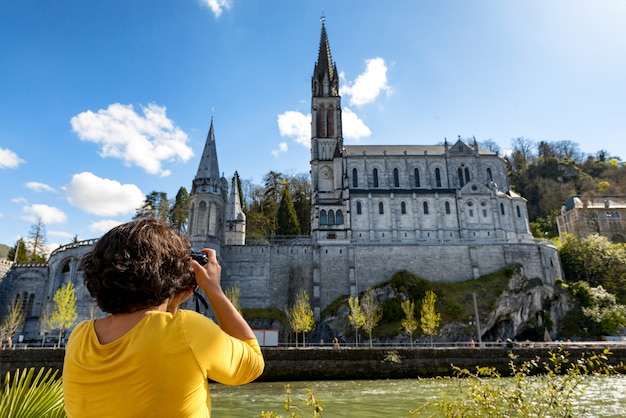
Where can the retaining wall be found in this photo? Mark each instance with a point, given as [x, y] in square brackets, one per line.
[303, 364]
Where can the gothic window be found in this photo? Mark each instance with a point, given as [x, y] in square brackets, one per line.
[416, 173]
[460, 173]
[519, 214]
[262, 271]
[240, 270]
[358, 208]
[331, 217]
[31, 300]
[355, 179]
[471, 213]
[323, 217]
[339, 217]
[381, 208]
[467, 175]
[213, 220]
[396, 178]
[438, 177]
[403, 208]
[251, 271]
[447, 208]
[321, 123]
[502, 208]
[425, 208]
[484, 213]
[330, 122]
[489, 175]
[202, 219]
[375, 174]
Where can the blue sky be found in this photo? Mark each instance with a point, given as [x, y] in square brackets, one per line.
[102, 102]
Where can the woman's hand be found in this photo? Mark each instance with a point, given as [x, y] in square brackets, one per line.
[208, 276]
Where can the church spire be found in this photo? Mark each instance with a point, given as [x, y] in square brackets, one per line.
[208, 167]
[325, 81]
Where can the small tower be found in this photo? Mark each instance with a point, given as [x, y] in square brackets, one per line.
[329, 214]
[207, 200]
[235, 226]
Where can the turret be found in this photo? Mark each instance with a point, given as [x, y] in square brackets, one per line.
[235, 225]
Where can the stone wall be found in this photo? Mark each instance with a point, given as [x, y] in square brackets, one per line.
[304, 364]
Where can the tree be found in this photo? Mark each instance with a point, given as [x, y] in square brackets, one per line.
[21, 250]
[372, 312]
[356, 316]
[301, 317]
[37, 238]
[156, 206]
[64, 314]
[180, 210]
[429, 317]
[286, 218]
[409, 323]
[13, 320]
[233, 293]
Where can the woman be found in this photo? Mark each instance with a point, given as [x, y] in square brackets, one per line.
[147, 358]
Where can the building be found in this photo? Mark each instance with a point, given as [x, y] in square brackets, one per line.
[444, 212]
[587, 215]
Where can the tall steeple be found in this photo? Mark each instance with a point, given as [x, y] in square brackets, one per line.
[208, 168]
[235, 232]
[325, 79]
[208, 199]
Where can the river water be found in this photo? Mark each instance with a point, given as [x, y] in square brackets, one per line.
[603, 396]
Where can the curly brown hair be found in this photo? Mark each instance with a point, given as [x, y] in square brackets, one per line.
[137, 265]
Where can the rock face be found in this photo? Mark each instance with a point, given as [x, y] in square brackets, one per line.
[526, 310]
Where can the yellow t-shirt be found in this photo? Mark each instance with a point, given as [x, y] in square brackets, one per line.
[158, 369]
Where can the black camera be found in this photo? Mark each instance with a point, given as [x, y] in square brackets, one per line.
[199, 256]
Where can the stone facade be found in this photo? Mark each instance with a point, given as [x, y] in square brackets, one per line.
[602, 215]
[444, 212]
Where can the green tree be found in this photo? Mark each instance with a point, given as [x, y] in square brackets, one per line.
[64, 314]
[286, 218]
[301, 316]
[356, 316]
[603, 315]
[430, 318]
[233, 293]
[179, 211]
[372, 312]
[409, 323]
[22, 252]
[156, 206]
[13, 320]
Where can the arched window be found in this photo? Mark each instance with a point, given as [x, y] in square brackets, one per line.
[460, 173]
[447, 208]
[355, 179]
[251, 271]
[502, 208]
[519, 214]
[331, 217]
[467, 175]
[31, 301]
[425, 208]
[396, 178]
[438, 177]
[381, 208]
[322, 217]
[416, 173]
[375, 174]
[489, 175]
[339, 217]
[262, 271]
[403, 208]
[358, 208]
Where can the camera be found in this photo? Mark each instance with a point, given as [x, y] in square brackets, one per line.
[199, 256]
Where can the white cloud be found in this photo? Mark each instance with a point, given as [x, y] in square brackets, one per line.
[146, 141]
[368, 84]
[282, 148]
[61, 234]
[103, 197]
[39, 187]
[47, 214]
[295, 125]
[353, 127]
[217, 6]
[9, 159]
[19, 200]
[103, 226]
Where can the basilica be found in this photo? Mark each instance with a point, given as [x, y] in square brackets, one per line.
[443, 212]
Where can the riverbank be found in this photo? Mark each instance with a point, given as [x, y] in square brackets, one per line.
[304, 364]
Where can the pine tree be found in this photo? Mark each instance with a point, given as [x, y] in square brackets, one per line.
[37, 237]
[179, 211]
[286, 218]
